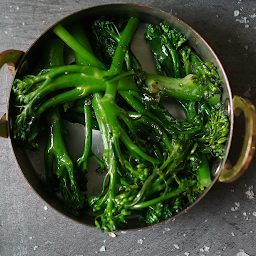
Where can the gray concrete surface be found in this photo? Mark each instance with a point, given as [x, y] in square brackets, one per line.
[222, 224]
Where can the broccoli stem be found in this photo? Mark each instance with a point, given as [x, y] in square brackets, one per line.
[161, 198]
[82, 162]
[53, 53]
[181, 88]
[189, 108]
[78, 33]
[204, 173]
[122, 47]
[118, 59]
[56, 149]
[155, 127]
[74, 44]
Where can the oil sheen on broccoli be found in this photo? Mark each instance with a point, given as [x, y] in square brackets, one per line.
[154, 164]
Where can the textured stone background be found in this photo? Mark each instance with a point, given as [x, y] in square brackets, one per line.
[223, 223]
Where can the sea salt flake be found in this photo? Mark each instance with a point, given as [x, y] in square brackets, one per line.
[140, 241]
[243, 20]
[236, 207]
[103, 248]
[236, 13]
[45, 208]
[250, 193]
[242, 253]
[205, 249]
[48, 242]
[186, 253]
[176, 246]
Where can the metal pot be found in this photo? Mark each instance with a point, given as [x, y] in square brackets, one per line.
[21, 63]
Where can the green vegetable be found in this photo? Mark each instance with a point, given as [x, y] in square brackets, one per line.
[56, 149]
[154, 164]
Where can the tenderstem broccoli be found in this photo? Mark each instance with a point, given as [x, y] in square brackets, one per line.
[56, 148]
[154, 164]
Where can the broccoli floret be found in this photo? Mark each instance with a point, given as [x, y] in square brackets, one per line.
[174, 59]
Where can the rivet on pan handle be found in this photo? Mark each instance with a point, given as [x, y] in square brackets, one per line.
[11, 58]
[231, 173]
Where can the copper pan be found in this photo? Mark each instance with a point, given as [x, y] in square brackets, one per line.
[21, 63]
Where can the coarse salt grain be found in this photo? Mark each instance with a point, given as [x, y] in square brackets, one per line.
[140, 241]
[242, 253]
[176, 246]
[250, 193]
[103, 248]
[236, 13]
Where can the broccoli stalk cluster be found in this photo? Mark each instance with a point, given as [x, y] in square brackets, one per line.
[154, 164]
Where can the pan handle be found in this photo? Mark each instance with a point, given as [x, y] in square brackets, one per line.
[231, 173]
[11, 58]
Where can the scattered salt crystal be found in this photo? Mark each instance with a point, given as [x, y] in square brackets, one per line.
[250, 193]
[236, 207]
[45, 207]
[245, 216]
[186, 253]
[252, 16]
[205, 249]
[140, 241]
[243, 20]
[48, 242]
[167, 229]
[242, 253]
[236, 13]
[176, 246]
[232, 234]
[254, 214]
[103, 248]
[35, 247]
